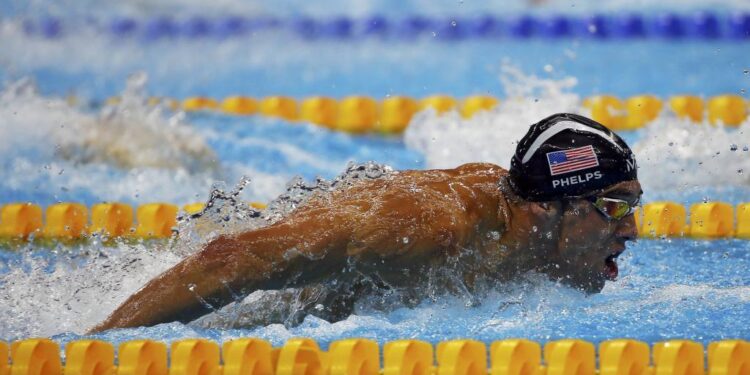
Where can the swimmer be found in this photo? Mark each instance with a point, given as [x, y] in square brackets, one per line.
[564, 209]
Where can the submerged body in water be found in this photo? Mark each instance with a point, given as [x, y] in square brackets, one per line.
[404, 230]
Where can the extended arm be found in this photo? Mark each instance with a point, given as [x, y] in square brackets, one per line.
[269, 257]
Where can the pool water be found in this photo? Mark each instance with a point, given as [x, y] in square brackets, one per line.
[52, 151]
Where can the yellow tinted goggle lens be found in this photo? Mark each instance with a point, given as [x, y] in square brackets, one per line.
[613, 208]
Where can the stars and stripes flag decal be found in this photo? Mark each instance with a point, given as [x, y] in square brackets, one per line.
[572, 160]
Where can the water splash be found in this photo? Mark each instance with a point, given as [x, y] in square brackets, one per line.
[69, 289]
[674, 155]
[130, 134]
[133, 134]
[226, 213]
[677, 154]
[448, 140]
[128, 151]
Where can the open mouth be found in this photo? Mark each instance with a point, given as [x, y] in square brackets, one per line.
[610, 266]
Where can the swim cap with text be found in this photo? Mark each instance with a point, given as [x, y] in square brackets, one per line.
[567, 155]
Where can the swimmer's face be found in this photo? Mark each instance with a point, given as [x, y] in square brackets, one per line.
[589, 242]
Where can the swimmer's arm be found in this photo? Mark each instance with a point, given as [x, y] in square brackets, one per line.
[235, 266]
[406, 225]
[287, 306]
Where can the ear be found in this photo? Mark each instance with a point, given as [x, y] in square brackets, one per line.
[544, 220]
[545, 210]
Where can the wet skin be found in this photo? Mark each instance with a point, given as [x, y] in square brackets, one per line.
[399, 228]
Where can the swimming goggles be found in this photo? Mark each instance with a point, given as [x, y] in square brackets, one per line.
[611, 208]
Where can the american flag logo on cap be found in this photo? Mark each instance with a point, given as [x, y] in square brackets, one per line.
[575, 159]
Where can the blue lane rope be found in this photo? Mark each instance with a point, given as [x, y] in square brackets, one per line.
[670, 26]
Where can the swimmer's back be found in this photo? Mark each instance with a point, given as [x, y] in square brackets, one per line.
[415, 212]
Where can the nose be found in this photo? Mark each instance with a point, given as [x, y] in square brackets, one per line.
[626, 229]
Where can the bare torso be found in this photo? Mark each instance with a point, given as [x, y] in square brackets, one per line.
[412, 219]
[396, 230]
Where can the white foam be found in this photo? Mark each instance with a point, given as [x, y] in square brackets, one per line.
[672, 154]
[449, 140]
[78, 290]
[128, 135]
[678, 154]
[130, 152]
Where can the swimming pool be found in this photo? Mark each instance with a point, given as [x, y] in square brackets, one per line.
[669, 288]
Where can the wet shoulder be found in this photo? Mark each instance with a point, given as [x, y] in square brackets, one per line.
[481, 170]
[483, 176]
[470, 174]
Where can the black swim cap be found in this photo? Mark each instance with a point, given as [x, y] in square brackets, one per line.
[567, 155]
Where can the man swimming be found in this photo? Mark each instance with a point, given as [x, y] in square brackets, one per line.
[564, 209]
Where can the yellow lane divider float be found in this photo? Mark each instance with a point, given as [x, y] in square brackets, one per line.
[70, 220]
[303, 356]
[279, 106]
[392, 114]
[319, 110]
[156, 220]
[706, 220]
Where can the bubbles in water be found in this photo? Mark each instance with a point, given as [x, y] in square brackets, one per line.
[733, 147]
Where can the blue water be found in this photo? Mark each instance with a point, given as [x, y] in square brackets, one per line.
[257, 68]
[667, 288]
